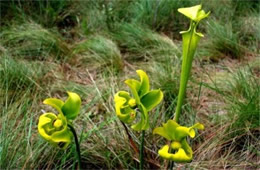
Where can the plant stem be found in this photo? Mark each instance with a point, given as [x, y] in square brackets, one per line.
[132, 143]
[170, 163]
[142, 150]
[77, 144]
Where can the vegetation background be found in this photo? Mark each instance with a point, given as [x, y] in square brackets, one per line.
[48, 47]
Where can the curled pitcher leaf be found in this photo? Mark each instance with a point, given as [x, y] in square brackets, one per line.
[143, 100]
[177, 134]
[125, 106]
[54, 129]
[70, 108]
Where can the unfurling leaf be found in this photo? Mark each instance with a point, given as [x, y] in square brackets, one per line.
[70, 109]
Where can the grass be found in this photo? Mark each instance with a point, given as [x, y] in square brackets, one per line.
[48, 13]
[159, 15]
[60, 47]
[19, 75]
[245, 103]
[223, 41]
[32, 41]
[249, 37]
[242, 95]
[143, 44]
[236, 129]
[19, 116]
[101, 51]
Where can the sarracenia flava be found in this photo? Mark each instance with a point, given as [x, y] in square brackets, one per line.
[179, 149]
[142, 99]
[56, 128]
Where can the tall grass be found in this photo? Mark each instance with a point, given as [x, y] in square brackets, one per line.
[18, 124]
[19, 81]
[32, 41]
[248, 30]
[100, 51]
[144, 44]
[18, 75]
[223, 41]
[166, 77]
[235, 134]
[244, 107]
[48, 13]
[93, 9]
[159, 15]
[245, 5]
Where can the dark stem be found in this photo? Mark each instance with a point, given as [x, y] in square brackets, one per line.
[171, 165]
[142, 150]
[135, 148]
[132, 143]
[77, 144]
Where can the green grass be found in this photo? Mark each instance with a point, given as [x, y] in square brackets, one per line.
[248, 30]
[144, 44]
[159, 15]
[100, 51]
[245, 5]
[235, 133]
[244, 105]
[91, 47]
[94, 9]
[48, 13]
[32, 41]
[241, 92]
[19, 75]
[166, 77]
[223, 41]
[18, 120]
